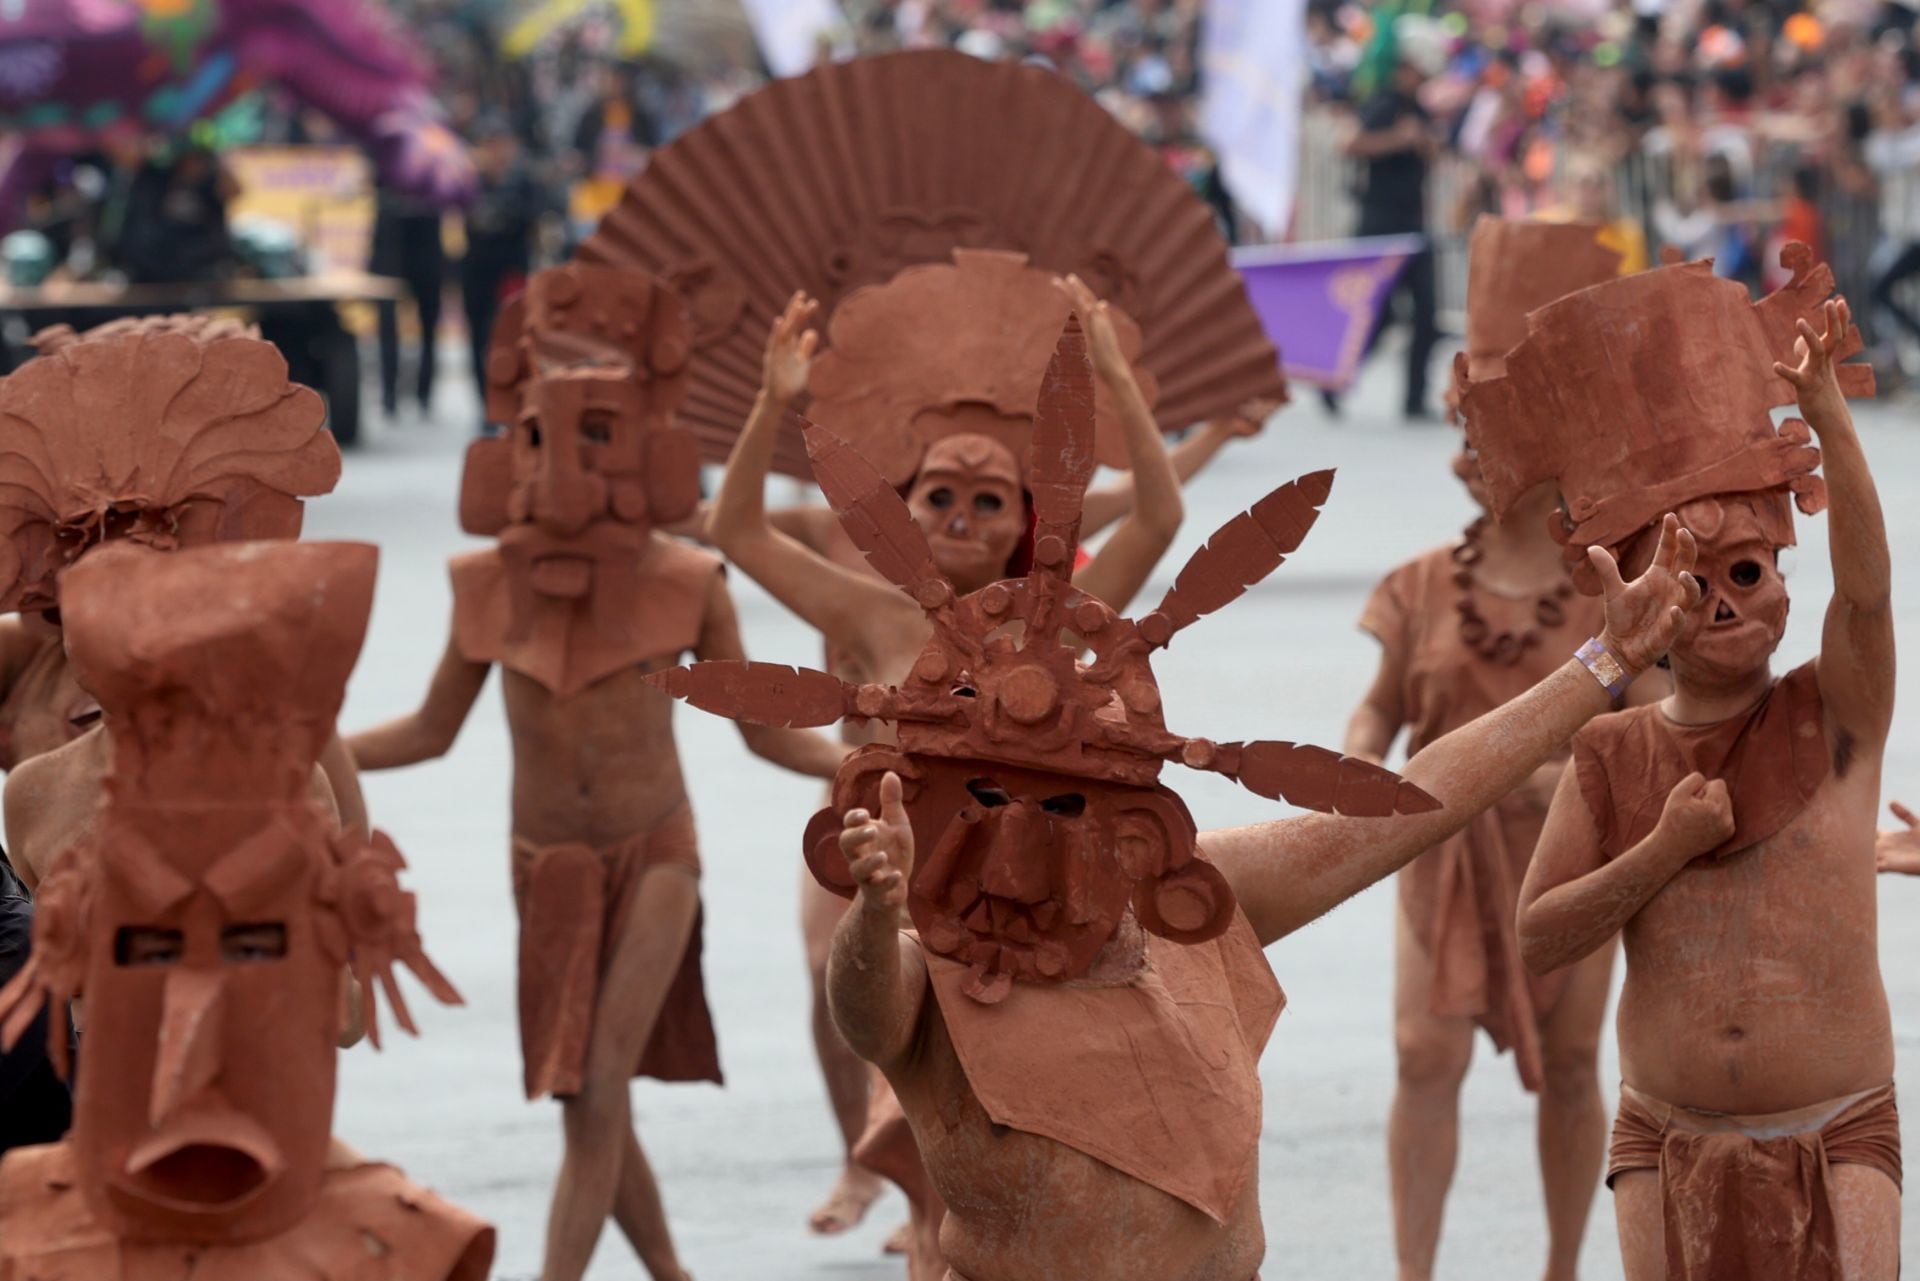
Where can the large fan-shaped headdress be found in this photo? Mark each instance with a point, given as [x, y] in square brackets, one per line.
[201, 326]
[1645, 393]
[159, 438]
[979, 692]
[842, 177]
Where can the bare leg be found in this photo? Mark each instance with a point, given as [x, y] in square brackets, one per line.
[1643, 1230]
[1423, 1129]
[845, 1074]
[598, 1122]
[1866, 1208]
[1573, 1118]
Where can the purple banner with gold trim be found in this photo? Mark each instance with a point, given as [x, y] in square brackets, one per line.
[1319, 301]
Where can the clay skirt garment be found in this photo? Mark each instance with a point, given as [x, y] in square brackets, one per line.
[572, 899]
[1747, 1196]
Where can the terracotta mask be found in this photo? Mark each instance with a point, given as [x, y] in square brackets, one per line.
[164, 438]
[208, 914]
[1033, 779]
[969, 501]
[589, 371]
[1742, 615]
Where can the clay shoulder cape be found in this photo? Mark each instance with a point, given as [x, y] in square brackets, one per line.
[371, 1223]
[1158, 1078]
[566, 647]
[1773, 757]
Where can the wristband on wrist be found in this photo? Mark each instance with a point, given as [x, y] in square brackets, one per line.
[1606, 669]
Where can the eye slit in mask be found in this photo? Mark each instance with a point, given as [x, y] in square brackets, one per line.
[1066, 805]
[988, 793]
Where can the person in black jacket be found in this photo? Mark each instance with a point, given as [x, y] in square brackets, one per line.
[35, 1105]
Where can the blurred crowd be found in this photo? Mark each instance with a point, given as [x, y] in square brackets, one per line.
[1704, 127]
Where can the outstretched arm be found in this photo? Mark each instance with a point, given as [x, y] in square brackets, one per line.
[1109, 503]
[429, 731]
[1287, 873]
[1121, 566]
[1855, 666]
[1574, 899]
[839, 603]
[876, 977]
[800, 750]
[1898, 849]
[343, 777]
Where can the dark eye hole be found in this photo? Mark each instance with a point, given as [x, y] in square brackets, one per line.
[533, 433]
[144, 945]
[965, 691]
[941, 498]
[987, 503]
[597, 428]
[86, 719]
[1745, 573]
[989, 793]
[255, 941]
[1066, 805]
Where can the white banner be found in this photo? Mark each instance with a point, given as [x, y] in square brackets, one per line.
[1253, 60]
[790, 31]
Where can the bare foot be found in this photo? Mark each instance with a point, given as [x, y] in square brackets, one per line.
[900, 1240]
[847, 1204]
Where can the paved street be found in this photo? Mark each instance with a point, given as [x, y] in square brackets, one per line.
[742, 1167]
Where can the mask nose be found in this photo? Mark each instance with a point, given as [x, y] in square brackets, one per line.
[1016, 865]
[566, 496]
[191, 1022]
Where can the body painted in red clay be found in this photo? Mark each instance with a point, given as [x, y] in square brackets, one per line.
[1076, 1020]
[582, 598]
[1727, 832]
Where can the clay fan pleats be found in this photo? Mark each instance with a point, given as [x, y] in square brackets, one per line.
[842, 177]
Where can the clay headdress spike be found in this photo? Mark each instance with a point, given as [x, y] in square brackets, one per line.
[761, 693]
[1062, 452]
[876, 518]
[1241, 553]
[1312, 778]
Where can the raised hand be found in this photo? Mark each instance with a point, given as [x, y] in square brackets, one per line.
[1644, 616]
[1698, 817]
[790, 348]
[1251, 417]
[1096, 317]
[880, 852]
[1812, 373]
[1898, 849]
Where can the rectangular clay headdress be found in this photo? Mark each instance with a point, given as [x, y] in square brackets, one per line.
[1642, 394]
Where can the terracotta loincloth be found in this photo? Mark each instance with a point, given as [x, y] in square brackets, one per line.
[1462, 896]
[572, 900]
[370, 1223]
[1747, 1196]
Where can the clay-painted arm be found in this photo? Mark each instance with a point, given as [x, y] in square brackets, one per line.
[805, 525]
[1288, 873]
[876, 977]
[846, 607]
[351, 1011]
[1856, 646]
[429, 731]
[1377, 721]
[1573, 900]
[1120, 568]
[24, 800]
[343, 777]
[1898, 849]
[1107, 504]
[800, 750]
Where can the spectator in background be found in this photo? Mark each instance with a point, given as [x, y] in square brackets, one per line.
[1587, 195]
[174, 227]
[610, 145]
[500, 232]
[1395, 144]
[406, 243]
[1892, 150]
[35, 1106]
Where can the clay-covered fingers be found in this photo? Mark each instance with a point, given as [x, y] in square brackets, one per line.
[1698, 815]
[1645, 616]
[1898, 849]
[879, 852]
[1905, 815]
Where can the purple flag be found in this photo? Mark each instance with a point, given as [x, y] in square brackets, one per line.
[1319, 301]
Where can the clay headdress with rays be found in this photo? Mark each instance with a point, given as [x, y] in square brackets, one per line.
[159, 438]
[1000, 680]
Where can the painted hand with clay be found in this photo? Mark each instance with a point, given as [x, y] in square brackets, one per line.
[879, 852]
[1816, 385]
[1697, 818]
[1096, 317]
[1898, 848]
[1644, 616]
[1251, 417]
[790, 348]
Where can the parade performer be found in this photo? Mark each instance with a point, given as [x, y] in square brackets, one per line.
[202, 898]
[835, 183]
[1727, 832]
[1076, 1020]
[580, 599]
[1462, 629]
[167, 432]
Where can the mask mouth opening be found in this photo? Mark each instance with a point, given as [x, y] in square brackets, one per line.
[215, 1167]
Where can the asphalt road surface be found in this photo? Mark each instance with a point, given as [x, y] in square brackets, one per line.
[742, 1166]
